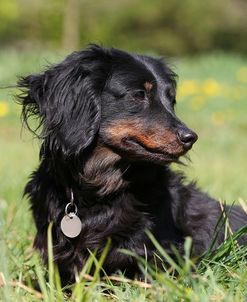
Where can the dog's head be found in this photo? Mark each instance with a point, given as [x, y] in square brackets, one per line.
[124, 101]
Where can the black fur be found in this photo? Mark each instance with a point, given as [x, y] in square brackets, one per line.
[109, 132]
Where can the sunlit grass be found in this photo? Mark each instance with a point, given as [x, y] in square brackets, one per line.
[211, 100]
[217, 276]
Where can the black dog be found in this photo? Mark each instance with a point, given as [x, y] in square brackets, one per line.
[109, 133]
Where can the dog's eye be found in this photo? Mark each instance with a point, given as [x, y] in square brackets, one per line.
[139, 95]
[170, 93]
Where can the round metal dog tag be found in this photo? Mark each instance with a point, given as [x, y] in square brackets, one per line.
[71, 225]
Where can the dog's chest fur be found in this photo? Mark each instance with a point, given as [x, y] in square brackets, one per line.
[140, 200]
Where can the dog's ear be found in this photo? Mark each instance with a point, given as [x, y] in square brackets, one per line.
[66, 98]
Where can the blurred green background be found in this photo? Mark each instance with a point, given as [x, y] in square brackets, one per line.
[203, 41]
[171, 27]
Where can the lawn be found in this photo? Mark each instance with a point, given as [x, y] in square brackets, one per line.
[212, 101]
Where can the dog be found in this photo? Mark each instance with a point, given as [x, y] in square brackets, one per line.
[109, 133]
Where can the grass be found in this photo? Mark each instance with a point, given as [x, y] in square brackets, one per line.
[212, 101]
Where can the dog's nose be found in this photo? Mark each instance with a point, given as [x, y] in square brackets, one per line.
[187, 137]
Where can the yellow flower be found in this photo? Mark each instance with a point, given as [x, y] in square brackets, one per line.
[218, 118]
[4, 109]
[186, 88]
[241, 75]
[210, 87]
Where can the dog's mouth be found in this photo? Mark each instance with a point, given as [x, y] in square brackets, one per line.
[139, 149]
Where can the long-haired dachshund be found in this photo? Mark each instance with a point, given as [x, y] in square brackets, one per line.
[109, 133]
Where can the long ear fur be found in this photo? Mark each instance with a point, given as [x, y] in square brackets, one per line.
[66, 98]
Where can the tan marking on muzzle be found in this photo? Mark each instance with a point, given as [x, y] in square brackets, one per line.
[157, 138]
